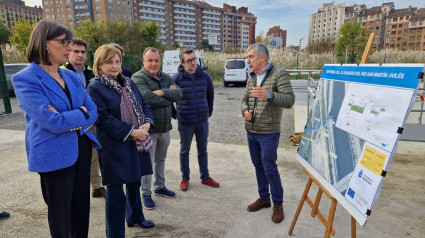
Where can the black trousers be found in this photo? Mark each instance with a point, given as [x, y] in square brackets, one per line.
[67, 195]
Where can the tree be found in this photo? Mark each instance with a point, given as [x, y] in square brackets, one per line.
[232, 50]
[92, 33]
[351, 42]
[4, 34]
[205, 45]
[21, 34]
[134, 37]
[325, 46]
[261, 38]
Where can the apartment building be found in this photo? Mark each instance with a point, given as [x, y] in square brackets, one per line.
[393, 28]
[12, 10]
[277, 37]
[248, 27]
[238, 27]
[70, 12]
[325, 24]
[404, 29]
[372, 19]
[182, 22]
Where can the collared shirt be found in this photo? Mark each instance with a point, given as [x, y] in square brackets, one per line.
[81, 76]
[260, 77]
[160, 76]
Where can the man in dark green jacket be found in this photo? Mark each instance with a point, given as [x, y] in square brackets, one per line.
[267, 92]
[161, 92]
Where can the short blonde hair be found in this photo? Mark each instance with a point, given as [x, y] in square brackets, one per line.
[102, 55]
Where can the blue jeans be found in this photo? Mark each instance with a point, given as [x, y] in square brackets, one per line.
[263, 150]
[120, 207]
[200, 130]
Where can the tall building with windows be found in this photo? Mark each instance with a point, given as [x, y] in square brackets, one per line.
[402, 29]
[325, 24]
[238, 27]
[248, 27]
[70, 12]
[393, 28]
[12, 10]
[182, 22]
[277, 35]
[372, 19]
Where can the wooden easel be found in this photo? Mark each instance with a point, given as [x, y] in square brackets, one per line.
[315, 208]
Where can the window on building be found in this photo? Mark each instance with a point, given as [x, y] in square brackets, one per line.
[395, 19]
[111, 14]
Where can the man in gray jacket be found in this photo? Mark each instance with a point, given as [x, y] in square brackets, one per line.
[267, 92]
[160, 91]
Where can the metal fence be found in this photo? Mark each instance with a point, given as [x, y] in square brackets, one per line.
[5, 107]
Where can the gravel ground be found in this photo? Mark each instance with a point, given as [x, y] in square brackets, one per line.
[226, 123]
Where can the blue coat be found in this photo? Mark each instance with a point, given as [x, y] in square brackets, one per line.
[119, 160]
[198, 96]
[51, 139]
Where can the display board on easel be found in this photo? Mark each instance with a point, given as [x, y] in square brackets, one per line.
[353, 128]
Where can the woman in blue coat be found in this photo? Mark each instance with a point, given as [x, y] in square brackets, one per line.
[58, 140]
[124, 121]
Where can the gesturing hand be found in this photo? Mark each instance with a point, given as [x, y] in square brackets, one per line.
[260, 92]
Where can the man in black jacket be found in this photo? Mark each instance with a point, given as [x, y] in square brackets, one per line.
[76, 61]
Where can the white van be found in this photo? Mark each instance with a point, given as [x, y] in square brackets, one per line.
[236, 71]
[171, 61]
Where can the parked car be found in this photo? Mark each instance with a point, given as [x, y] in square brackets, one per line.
[236, 71]
[171, 61]
[10, 70]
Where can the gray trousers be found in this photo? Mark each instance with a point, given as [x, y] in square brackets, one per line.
[158, 153]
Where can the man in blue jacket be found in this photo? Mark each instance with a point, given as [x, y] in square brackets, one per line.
[193, 112]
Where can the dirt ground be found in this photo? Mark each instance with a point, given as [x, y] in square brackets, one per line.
[221, 212]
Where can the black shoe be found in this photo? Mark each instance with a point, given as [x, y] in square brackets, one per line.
[144, 224]
[98, 193]
[4, 215]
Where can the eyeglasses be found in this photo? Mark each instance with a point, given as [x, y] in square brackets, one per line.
[65, 42]
[190, 60]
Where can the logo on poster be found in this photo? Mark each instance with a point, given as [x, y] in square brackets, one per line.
[360, 173]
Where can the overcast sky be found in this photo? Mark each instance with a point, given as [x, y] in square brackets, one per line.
[291, 15]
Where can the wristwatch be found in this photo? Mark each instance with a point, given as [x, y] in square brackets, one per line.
[270, 96]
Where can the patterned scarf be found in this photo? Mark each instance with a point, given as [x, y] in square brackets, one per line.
[130, 107]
